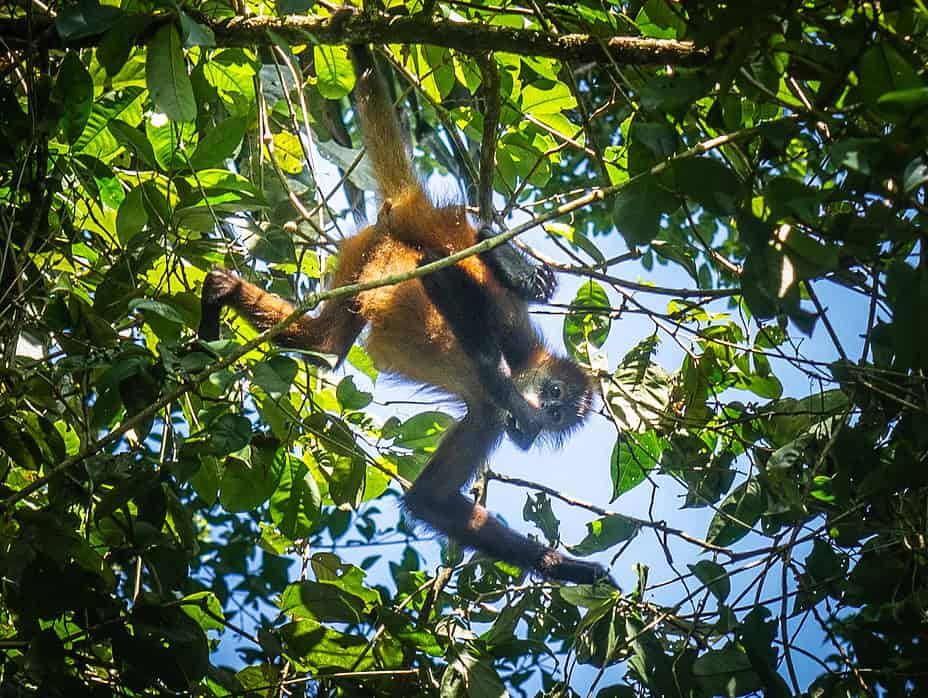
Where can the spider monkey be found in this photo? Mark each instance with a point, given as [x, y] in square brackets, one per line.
[453, 329]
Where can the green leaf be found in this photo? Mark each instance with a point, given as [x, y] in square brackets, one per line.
[169, 564]
[638, 208]
[756, 635]
[343, 599]
[85, 19]
[296, 502]
[657, 136]
[166, 76]
[548, 105]
[884, 70]
[538, 510]
[550, 99]
[791, 418]
[726, 672]
[649, 143]
[229, 433]
[170, 141]
[346, 480]
[118, 43]
[714, 576]
[19, 446]
[256, 679]
[588, 320]
[790, 197]
[603, 533]
[910, 100]
[196, 34]
[245, 486]
[158, 308]
[131, 216]
[576, 238]
[275, 374]
[136, 143]
[205, 609]
[96, 138]
[520, 157]
[288, 150]
[633, 457]
[467, 670]
[218, 144]
[423, 431]
[663, 15]
[334, 72]
[360, 360]
[640, 392]
[293, 7]
[672, 93]
[915, 175]
[312, 646]
[858, 154]
[349, 397]
[825, 574]
[710, 182]
[737, 514]
[440, 79]
[74, 92]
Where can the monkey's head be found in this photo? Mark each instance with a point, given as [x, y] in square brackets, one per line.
[561, 393]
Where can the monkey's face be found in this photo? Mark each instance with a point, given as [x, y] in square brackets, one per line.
[560, 395]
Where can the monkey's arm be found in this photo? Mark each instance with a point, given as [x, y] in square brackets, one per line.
[534, 283]
[333, 331]
[435, 498]
[475, 319]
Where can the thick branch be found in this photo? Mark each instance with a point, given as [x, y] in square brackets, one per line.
[350, 26]
[491, 111]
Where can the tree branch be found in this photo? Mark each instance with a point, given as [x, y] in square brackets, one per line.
[349, 25]
[491, 111]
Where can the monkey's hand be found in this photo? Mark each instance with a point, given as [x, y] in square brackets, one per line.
[559, 566]
[219, 286]
[523, 422]
[534, 283]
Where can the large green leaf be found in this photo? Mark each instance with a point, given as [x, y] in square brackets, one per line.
[166, 76]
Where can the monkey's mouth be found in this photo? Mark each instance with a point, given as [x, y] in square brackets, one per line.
[519, 436]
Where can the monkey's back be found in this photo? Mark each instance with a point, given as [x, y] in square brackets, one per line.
[408, 336]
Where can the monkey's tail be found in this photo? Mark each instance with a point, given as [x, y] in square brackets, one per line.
[383, 137]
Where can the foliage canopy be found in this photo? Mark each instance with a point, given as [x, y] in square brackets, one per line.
[760, 156]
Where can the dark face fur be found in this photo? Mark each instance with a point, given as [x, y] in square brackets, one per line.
[561, 392]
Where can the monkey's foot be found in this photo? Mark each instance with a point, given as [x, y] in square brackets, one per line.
[544, 283]
[532, 282]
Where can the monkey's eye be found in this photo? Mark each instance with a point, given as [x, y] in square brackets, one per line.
[555, 390]
[555, 414]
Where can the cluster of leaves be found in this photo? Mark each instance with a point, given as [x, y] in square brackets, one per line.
[155, 492]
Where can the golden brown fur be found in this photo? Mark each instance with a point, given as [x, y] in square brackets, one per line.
[452, 331]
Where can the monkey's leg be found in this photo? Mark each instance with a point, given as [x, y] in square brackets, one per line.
[436, 500]
[531, 282]
[333, 331]
[473, 316]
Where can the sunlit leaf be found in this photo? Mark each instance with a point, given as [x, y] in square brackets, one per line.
[166, 75]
